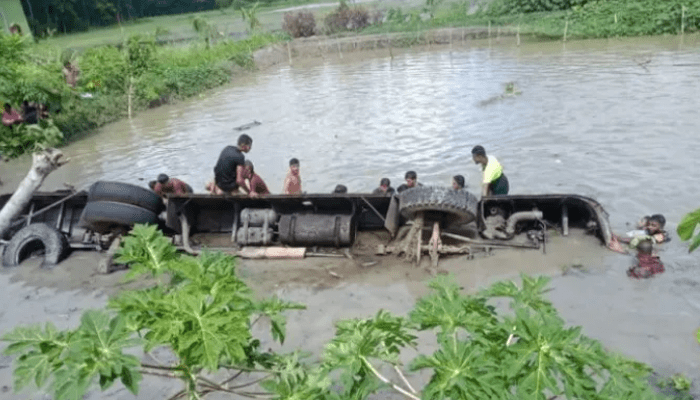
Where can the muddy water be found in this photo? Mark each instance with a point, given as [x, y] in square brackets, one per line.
[615, 120]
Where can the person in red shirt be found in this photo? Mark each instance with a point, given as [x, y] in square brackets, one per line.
[166, 185]
[255, 185]
[10, 116]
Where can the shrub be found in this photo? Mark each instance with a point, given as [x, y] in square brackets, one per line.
[302, 24]
[346, 18]
[25, 138]
[103, 69]
[499, 7]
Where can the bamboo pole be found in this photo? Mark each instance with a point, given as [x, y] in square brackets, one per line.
[289, 53]
[337, 42]
[498, 34]
[566, 28]
[682, 20]
[518, 35]
[128, 96]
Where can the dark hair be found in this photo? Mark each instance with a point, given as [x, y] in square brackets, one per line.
[152, 184]
[658, 218]
[293, 161]
[411, 175]
[162, 179]
[385, 181]
[249, 163]
[460, 180]
[645, 246]
[340, 189]
[479, 151]
[245, 140]
[7, 105]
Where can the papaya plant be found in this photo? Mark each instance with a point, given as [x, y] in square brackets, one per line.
[203, 313]
[688, 227]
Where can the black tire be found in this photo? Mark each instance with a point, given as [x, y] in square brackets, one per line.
[437, 202]
[31, 239]
[105, 216]
[127, 194]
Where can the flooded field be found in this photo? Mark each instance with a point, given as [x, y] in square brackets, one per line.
[615, 120]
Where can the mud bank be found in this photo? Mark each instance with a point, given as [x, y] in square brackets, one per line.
[332, 288]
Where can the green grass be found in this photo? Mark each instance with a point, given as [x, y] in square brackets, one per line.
[179, 27]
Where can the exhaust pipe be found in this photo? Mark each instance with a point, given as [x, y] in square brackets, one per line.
[520, 216]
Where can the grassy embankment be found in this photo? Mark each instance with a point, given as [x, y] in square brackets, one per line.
[594, 19]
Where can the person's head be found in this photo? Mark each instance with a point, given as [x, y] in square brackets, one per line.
[249, 167]
[294, 165]
[152, 184]
[479, 155]
[644, 247]
[656, 224]
[245, 142]
[457, 182]
[340, 189]
[7, 107]
[163, 179]
[411, 178]
[384, 184]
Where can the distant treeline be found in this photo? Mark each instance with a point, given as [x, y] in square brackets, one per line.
[46, 17]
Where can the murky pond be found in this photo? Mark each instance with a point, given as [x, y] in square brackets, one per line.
[616, 120]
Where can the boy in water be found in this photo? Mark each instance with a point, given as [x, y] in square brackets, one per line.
[653, 230]
[495, 181]
[647, 264]
[255, 185]
[458, 182]
[340, 189]
[411, 181]
[384, 188]
[292, 182]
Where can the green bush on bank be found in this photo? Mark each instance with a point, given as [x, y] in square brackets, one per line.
[151, 74]
[500, 7]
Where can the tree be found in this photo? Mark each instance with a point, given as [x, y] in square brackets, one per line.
[203, 313]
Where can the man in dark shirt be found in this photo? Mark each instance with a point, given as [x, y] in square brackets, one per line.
[226, 169]
[411, 182]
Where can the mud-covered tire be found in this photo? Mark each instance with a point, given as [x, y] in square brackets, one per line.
[125, 193]
[444, 203]
[30, 239]
[105, 216]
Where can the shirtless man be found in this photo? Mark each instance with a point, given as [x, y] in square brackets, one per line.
[292, 182]
[226, 176]
[384, 188]
[166, 185]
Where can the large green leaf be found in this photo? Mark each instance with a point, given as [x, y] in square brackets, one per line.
[686, 228]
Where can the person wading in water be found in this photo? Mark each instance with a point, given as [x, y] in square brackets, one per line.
[495, 181]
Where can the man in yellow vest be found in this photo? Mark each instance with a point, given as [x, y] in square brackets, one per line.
[494, 181]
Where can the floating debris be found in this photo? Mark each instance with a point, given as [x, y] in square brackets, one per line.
[511, 90]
